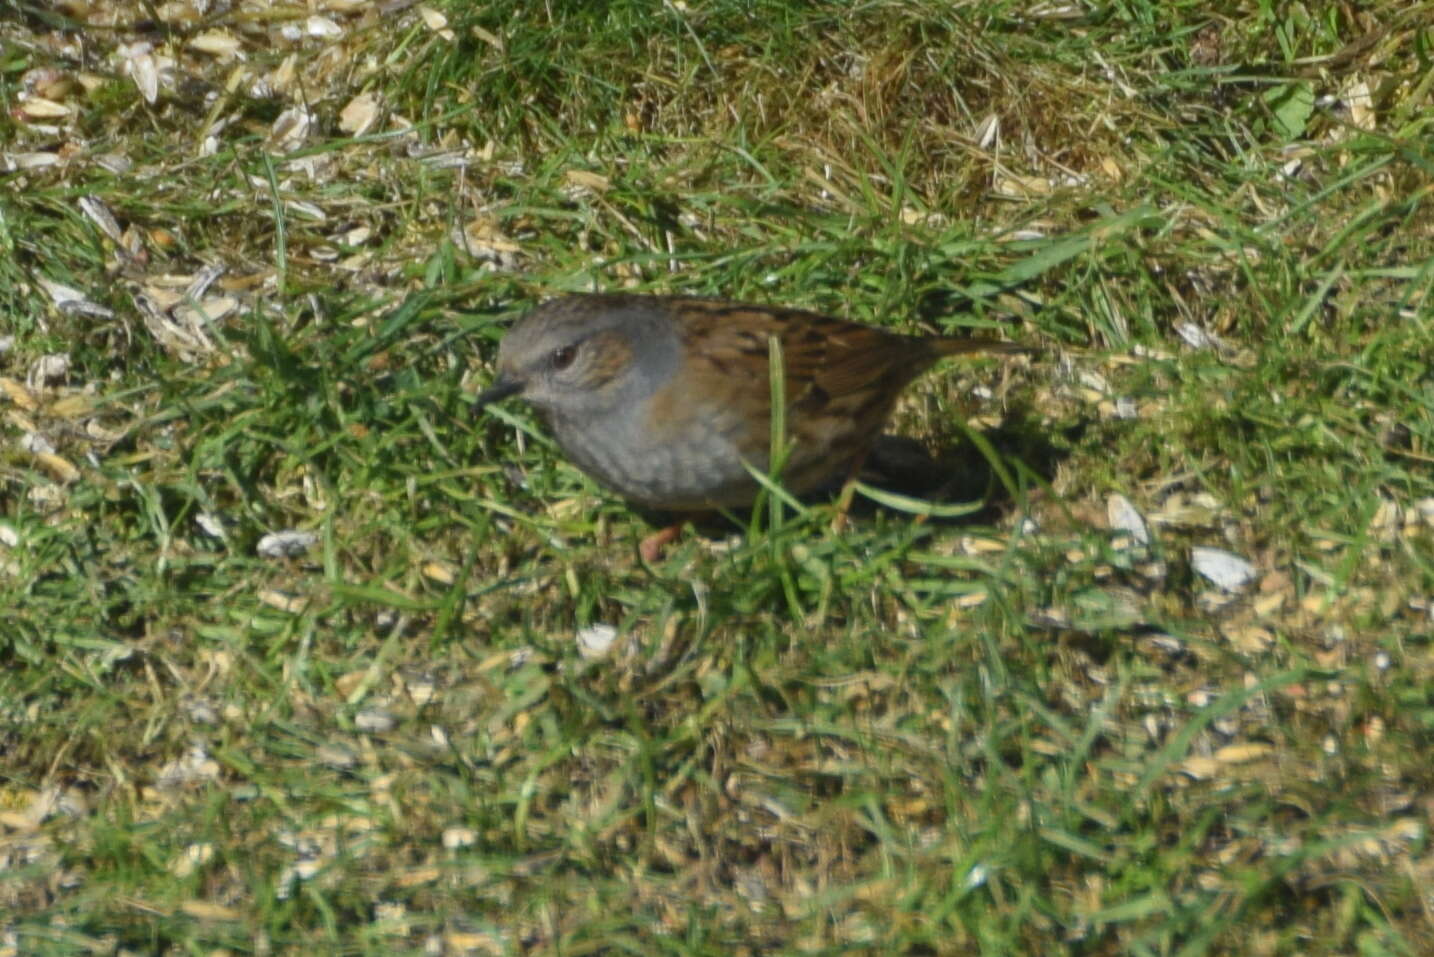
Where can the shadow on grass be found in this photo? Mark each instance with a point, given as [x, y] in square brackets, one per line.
[952, 472]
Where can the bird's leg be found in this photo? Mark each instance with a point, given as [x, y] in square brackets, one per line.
[848, 492]
[650, 548]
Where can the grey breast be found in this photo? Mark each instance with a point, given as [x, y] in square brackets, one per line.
[696, 466]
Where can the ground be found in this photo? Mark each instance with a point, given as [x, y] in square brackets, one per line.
[302, 653]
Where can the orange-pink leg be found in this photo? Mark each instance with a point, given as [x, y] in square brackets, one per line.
[650, 548]
[848, 492]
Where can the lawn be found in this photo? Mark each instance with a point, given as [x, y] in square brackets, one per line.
[303, 653]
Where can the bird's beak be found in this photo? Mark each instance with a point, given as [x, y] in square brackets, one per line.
[502, 387]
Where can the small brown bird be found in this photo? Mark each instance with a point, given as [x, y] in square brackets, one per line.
[662, 398]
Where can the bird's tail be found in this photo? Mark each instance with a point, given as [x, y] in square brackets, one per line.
[957, 345]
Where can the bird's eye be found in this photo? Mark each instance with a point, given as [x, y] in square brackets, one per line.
[562, 358]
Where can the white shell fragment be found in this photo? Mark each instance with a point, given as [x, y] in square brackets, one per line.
[432, 18]
[1124, 517]
[290, 129]
[218, 43]
[594, 641]
[1223, 569]
[191, 859]
[48, 369]
[359, 115]
[986, 134]
[114, 163]
[39, 108]
[322, 27]
[101, 216]
[71, 300]
[458, 837]
[36, 444]
[36, 160]
[140, 63]
[374, 720]
[211, 525]
[1197, 338]
[205, 311]
[286, 544]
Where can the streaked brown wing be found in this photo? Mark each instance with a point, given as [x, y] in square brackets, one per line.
[824, 359]
[858, 360]
[841, 378]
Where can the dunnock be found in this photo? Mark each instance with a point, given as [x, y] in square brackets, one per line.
[662, 398]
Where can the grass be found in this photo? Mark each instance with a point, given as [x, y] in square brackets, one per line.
[1018, 731]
